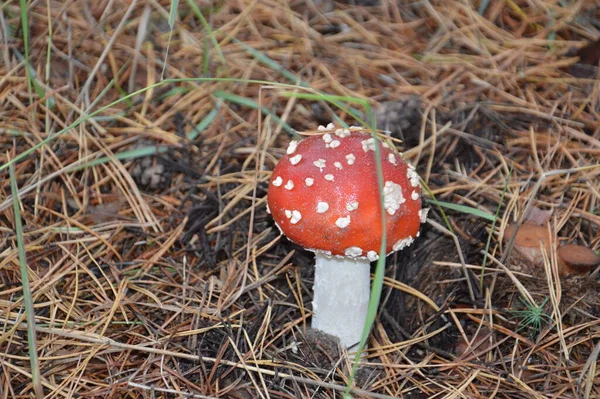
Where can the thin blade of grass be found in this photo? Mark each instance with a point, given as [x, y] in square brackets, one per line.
[27, 297]
[172, 16]
[489, 239]
[336, 101]
[464, 209]
[126, 155]
[432, 200]
[209, 30]
[205, 122]
[269, 62]
[132, 154]
[31, 75]
[483, 6]
[173, 13]
[377, 286]
[234, 98]
[174, 91]
[50, 102]
[25, 29]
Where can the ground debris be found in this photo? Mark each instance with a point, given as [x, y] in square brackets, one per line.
[141, 147]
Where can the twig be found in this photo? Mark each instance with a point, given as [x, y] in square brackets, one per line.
[465, 270]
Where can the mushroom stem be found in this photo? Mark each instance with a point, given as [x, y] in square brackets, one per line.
[341, 297]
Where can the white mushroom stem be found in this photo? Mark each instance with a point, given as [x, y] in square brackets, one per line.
[341, 297]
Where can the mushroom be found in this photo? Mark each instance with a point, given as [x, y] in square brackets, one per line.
[530, 237]
[576, 260]
[324, 196]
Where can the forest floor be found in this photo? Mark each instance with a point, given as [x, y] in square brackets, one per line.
[137, 258]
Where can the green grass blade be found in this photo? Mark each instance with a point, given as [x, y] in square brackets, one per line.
[25, 29]
[209, 30]
[269, 62]
[31, 75]
[32, 84]
[205, 122]
[431, 199]
[27, 297]
[49, 100]
[173, 13]
[483, 6]
[174, 92]
[85, 163]
[489, 239]
[336, 101]
[272, 64]
[329, 97]
[171, 22]
[125, 155]
[464, 209]
[234, 98]
[377, 286]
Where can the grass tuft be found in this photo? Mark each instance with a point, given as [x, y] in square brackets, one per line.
[533, 318]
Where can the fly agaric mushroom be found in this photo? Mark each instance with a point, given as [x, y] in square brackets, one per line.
[324, 196]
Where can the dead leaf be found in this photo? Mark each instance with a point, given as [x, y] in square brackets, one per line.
[102, 213]
[538, 216]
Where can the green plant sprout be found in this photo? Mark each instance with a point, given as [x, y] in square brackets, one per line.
[532, 318]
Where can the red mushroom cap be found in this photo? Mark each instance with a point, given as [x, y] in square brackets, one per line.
[324, 195]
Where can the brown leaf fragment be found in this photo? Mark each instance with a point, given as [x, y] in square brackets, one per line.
[102, 213]
[538, 216]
